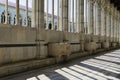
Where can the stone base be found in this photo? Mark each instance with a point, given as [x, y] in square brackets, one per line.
[9, 69]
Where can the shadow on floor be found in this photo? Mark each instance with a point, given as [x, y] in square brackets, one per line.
[98, 67]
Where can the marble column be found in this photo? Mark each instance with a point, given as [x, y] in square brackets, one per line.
[26, 12]
[117, 25]
[61, 16]
[52, 14]
[78, 15]
[65, 15]
[17, 12]
[6, 12]
[47, 14]
[90, 17]
[58, 15]
[103, 22]
[81, 22]
[98, 18]
[73, 15]
[33, 13]
[82, 16]
[114, 24]
[112, 32]
[40, 14]
[107, 20]
[109, 26]
[40, 29]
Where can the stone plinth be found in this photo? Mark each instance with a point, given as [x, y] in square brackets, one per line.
[59, 50]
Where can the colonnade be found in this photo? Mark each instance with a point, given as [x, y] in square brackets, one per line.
[103, 20]
[17, 12]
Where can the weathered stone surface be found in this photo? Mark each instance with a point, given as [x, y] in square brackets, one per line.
[75, 48]
[17, 35]
[91, 47]
[114, 44]
[72, 37]
[95, 38]
[59, 49]
[23, 66]
[53, 36]
[87, 38]
[15, 54]
[93, 67]
[106, 45]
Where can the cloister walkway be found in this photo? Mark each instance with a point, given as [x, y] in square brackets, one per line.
[99, 67]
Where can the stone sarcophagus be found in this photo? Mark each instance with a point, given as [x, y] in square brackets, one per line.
[114, 44]
[106, 45]
[91, 47]
[61, 51]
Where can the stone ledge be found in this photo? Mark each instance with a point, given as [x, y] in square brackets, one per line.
[8, 69]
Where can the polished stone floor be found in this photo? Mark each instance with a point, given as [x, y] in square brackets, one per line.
[99, 67]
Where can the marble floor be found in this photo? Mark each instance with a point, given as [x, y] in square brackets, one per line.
[99, 67]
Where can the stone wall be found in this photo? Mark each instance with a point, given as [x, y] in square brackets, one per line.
[17, 44]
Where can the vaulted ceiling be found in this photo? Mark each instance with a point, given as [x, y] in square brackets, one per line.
[116, 3]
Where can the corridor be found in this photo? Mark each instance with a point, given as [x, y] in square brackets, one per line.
[103, 66]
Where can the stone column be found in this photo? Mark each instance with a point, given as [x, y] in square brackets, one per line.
[47, 14]
[58, 15]
[40, 14]
[82, 23]
[78, 16]
[65, 15]
[103, 16]
[61, 16]
[17, 12]
[105, 27]
[73, 15]
[69, 12]
[33, 13]
[99, 18]
[41, 48]
[119, 28]
[115, 26]
[82, 16]
[6, 12]
[112, 31]
[90, 17]
[103, 21]
[52, 14]
[26, 12]
[107, 20]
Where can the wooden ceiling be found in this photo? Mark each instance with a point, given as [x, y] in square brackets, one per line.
[116, 3]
